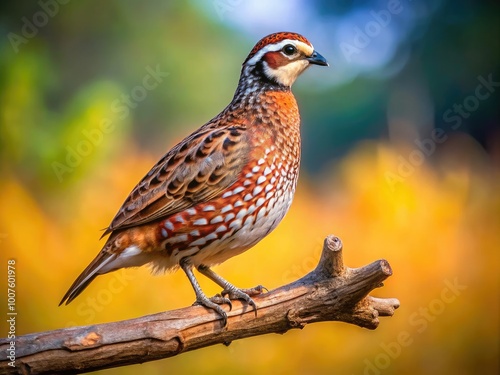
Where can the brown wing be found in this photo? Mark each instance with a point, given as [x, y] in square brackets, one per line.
[196, 170]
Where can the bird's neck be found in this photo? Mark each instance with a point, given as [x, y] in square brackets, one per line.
[254, 82]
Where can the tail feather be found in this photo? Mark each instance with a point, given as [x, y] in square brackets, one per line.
[89, 274]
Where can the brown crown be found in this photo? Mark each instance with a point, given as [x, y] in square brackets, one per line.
[275, 38]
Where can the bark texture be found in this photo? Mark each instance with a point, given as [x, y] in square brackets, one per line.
[331, 292]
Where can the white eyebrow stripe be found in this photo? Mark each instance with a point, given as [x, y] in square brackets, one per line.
[278, 46]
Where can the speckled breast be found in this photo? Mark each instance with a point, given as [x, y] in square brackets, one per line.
[212, 232]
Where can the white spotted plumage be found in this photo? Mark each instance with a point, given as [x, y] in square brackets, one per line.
[224, 187]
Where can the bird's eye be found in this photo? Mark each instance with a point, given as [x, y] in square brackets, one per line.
[289, 50]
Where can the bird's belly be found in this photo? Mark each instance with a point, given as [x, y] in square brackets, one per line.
[213, 231]
[249, 230]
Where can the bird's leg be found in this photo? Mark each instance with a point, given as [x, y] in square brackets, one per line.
[201, 299]
[230, 290]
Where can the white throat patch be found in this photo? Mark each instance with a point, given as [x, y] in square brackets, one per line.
[287, 74]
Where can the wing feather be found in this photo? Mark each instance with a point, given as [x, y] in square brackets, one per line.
[197, 169]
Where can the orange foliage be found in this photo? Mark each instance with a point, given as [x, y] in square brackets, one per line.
[437, 227]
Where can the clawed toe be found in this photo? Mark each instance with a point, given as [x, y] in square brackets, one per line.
[229, 292]
[244, 294]
[221, 300]
[214, 304]
[255, 291]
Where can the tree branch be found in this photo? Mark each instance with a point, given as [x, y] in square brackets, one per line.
[331, 292]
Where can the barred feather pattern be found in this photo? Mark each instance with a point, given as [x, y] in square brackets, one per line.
[224, 187]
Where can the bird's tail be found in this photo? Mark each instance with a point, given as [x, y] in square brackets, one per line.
[90, 273]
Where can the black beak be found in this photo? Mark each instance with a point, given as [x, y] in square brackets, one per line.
[317, 59]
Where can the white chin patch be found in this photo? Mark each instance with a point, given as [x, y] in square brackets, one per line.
[286, 75]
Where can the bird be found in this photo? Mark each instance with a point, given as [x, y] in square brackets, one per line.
[223, 188]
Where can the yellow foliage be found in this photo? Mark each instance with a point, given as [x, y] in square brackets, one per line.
[438, 227]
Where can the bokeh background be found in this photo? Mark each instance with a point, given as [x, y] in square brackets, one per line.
[401, 157]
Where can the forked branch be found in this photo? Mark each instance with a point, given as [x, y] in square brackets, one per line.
[331, 292]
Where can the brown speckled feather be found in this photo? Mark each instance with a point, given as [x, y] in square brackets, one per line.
[197, 169]
[224, 187]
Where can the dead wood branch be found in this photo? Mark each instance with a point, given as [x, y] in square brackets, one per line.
[331, 292]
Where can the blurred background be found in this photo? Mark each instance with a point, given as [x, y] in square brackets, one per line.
[401, 157]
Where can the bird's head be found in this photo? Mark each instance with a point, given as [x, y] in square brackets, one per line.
[282, 57]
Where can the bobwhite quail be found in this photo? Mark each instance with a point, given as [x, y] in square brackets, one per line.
[224, 187]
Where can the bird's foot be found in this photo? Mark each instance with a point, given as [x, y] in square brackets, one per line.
[235, 293]
[214, 304]
[244, 294]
